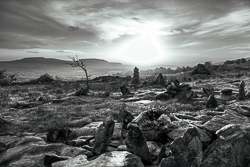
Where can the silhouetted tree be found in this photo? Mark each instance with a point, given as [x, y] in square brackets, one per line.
[80, 63]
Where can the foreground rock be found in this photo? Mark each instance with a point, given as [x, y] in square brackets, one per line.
[125, 118]
[187, 150]
[219, 121]
[137, 144]
[29, 151]
[234, 151]
[111, 159]
[103, 135]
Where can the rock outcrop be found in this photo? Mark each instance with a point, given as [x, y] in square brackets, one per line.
[114, 158]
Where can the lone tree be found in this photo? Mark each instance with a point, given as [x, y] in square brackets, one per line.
[80, 63]
[136, 78]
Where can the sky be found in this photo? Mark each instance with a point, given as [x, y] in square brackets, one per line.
[135, 32]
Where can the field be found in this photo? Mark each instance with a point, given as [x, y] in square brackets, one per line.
[39, 107]
[29, 111]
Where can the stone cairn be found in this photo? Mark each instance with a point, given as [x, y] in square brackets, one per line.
[242, 93]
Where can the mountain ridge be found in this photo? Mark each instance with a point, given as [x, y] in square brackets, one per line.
[41, 62]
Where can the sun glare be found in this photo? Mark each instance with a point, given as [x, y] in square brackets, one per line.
[144, 50]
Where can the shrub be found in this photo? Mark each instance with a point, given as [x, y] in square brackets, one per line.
[45, 78]
[6, 79]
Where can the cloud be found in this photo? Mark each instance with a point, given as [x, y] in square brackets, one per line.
[72, 28]
[62, 51]
[32, 52]
[188, 45]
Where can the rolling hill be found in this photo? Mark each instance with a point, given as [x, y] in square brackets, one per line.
[29, 68]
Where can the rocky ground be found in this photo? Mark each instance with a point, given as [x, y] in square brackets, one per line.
[204, 123]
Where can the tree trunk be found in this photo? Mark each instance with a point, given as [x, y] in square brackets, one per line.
[87, 78]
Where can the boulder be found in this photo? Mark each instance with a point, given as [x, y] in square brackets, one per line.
[219, 121]
[82, 92]
[233, 151]
[108, 159]
[176, 83]
[159, 80]
[187, 150]
[162, 96]
[124, 90]
[242, 93]
[243, 110]
[58, 135]
[154, 149]
[136, 142]
[88, 130]
[125, 118]
[103, 135]
[29, 151]
[168, 162]
[228, 131]
[211, 102]
[51, 158]
[227, 92]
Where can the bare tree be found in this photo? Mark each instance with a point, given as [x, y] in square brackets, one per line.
[80, 63]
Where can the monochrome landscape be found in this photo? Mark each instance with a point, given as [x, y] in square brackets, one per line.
[124, 83]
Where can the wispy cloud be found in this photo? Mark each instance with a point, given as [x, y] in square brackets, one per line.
[97, 27]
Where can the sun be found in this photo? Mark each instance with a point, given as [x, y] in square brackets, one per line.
[144, 50]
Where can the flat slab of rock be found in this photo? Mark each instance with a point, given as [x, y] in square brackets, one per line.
[219, 121]
[109, 159]
[29, 151]
[88, 130]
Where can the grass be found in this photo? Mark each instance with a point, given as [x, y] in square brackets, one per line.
[80, 111]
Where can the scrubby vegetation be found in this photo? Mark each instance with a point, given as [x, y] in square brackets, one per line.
[170, 102]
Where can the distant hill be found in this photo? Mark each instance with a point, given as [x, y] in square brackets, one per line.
[49, 63]
[29, 68]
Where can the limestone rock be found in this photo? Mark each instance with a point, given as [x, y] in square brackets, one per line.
[211, 102]
[228, 131]
[242, 93]
[58, 135]
[109, 159]
[187, 150]
[228, 92]
[124, 90]
[159, 80]
[233, 152]
[169, 162]
[219, 121]
[103, 135]
[88, 130]
[162, 96]
[154, 149]
[51, 158]
[82, 92]
[29, 151]
[137, 144]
